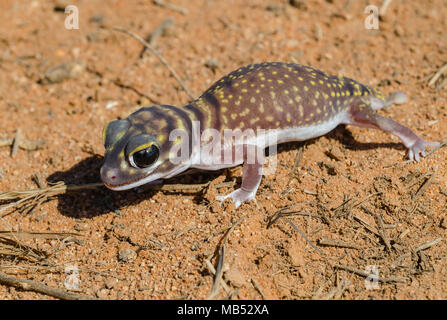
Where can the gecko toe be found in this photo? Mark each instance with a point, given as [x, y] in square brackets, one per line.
[238, 196]
[417, 158]
[418, 149]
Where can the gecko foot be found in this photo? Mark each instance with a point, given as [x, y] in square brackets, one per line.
[418, 148]
[238, 196]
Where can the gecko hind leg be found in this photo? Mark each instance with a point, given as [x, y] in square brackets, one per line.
[362, 115]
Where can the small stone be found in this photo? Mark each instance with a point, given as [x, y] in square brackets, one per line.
[97, 18]
[275, 8]
[214, 208]
[236, 277]
[296, 254]
[127, 255]
[62, 72]
[81, 227]
[292, 43]
[98, 278]
[98, 35]
[331, 169]
[60, 5]
[444, 223]
[212, 64]
[102, 293]
[399, 31]
[299, 4]
[111, 283]
[335, 153]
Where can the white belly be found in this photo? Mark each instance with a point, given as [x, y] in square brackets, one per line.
[203, 159]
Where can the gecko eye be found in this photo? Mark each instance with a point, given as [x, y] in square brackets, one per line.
[142, 151]
[146, 157]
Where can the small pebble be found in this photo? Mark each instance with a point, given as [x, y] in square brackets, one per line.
[236, 277]
[111, 283]
[335, 153]
[97, 18]
[296, 254]
[127, 255]
[444, 223]
[102, 293]
[60, 5]
[62, 72]
[212, 64]
[299, 4]
[81, 227]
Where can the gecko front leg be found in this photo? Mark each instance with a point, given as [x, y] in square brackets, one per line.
[251, 177]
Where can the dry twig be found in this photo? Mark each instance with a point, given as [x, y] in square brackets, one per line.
[305, 237]
[157, 33]
[12, 247]
[37, 235]
[256, 285]
[16, 143]
[338, 243]
[384, 7]
[371, 276]
[298, 158]
[171, 6]
[219, 271]
[30, 199]
[381, 232]
[211, 270]
[442, 144]
[427, 245]
[440, 73]
[424, 185]
[23, 143]
[30, 285]
[148, 96]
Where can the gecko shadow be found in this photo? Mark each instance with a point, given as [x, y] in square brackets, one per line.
[345, 137]
[342, 134]
[88, 203]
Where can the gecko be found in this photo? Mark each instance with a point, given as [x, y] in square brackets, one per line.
[276, 102]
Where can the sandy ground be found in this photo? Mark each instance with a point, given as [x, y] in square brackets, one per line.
[360, 205]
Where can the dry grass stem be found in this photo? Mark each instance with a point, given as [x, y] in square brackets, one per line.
[159, 56]
[30, 285]
[371, 276]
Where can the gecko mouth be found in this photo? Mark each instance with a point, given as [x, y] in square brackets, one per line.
[111, 180]
[133, 183]
[119, 186]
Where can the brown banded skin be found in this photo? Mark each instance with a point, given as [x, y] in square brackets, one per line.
[277, 95]
[292, 101]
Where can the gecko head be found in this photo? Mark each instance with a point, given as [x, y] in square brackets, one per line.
[140, 149]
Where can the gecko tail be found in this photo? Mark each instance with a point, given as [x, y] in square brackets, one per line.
[396, 98]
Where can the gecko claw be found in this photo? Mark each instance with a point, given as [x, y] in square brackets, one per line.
[418, 149]
[238, 196]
